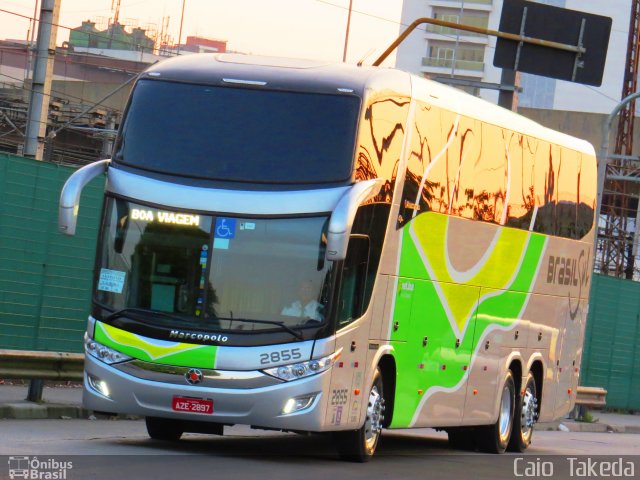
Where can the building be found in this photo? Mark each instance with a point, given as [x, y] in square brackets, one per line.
[196, 44]
[92, 77]
[204, 45]
[443, 53]
[80, 80]
[115, 37]
[114, 42]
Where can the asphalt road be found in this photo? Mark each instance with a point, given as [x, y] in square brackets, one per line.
[108, 449]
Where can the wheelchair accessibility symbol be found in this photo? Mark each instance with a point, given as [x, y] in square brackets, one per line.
[225, 228]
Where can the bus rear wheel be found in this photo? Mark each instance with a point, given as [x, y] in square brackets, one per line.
[525, 417]
[495, 438]
[164, 429]
[360, 445]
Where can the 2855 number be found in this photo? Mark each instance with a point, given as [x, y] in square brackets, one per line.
[280, 356]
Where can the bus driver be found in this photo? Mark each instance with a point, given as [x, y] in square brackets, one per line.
[306, 306]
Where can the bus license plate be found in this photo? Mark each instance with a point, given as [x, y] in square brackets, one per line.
[193, 405]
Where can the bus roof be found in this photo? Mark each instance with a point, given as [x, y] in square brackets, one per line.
[461, 102]
[271, 72]
[228, 69]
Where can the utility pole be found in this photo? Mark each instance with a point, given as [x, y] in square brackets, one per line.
[507, 98]
[181, 22]
[30, 36]
[115, 6]
[109, 136]
[41, 84]
[346, 36]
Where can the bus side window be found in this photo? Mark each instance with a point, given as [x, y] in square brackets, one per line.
[354, 277]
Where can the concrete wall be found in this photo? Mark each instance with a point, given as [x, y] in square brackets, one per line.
[580, 124]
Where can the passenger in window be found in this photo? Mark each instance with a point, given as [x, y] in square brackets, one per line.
[306, 306]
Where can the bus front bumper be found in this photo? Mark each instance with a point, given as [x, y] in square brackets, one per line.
[258, 407]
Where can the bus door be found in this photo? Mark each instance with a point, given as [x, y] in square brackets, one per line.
[348, 382]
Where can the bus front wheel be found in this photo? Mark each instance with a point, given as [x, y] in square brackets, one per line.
[360, 445]
[164, 429]
[495, 438]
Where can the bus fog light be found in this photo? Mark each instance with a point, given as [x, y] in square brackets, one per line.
[298, 403]
[99, 386]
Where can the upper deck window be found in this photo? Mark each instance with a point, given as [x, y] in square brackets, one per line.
[239, 134]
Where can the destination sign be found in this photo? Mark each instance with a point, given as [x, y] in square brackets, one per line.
[165, 217]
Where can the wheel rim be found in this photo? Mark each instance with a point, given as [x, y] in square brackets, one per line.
[505, 413]
[529, 413]
[373, 423]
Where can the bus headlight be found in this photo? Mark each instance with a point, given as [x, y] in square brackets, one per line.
[298, 370]
[103, 353]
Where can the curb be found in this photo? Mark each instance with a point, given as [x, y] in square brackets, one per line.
[625, 428]
[584, 427]
[29, 410]
[26, 410]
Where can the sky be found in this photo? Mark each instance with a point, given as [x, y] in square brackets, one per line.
[294, 28]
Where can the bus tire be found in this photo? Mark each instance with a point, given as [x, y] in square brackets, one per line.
[360, 445]
[164, 429]
[495, 438]
[526, 414]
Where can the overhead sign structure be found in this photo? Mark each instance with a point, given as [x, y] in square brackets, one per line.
[586, 31]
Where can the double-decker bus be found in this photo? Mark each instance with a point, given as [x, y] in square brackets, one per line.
[316, 247]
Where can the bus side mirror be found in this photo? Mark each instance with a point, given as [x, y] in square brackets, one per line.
[342, 217]
[70, 196]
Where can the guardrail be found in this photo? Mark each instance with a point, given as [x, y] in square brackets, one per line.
[40, 366]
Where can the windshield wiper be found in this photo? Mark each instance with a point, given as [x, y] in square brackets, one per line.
[298, 335]
[138, 312]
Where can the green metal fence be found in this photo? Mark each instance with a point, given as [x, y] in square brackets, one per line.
[612, 342]
[45, 277]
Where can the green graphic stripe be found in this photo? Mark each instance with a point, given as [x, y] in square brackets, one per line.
[156, 351]
[476, 305]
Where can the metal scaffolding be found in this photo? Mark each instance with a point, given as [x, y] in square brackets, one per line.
[617, 244]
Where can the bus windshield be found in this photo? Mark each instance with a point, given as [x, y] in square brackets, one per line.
[239, 134]
[211, 272]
